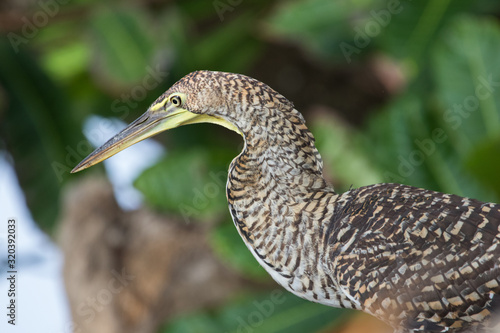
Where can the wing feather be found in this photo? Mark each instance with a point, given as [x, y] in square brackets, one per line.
[416, 258]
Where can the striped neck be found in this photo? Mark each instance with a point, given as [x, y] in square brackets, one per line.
[280, 149]
[277, 169]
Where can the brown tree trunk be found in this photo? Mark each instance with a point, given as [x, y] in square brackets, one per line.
[131, 271]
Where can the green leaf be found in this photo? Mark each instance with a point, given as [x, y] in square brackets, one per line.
[39, 130]
[413, 149]
[122, 47]
[390, 141]
[318, 26]
[349, 30]
[343, 154]
[188, 183]
[424, 142]
[232, 42]
[484, 163]
[275, 312]
[412, 26]
[467, 78]
[68, 61]
[229, 246]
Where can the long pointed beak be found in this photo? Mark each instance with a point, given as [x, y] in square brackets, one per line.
[147, 125]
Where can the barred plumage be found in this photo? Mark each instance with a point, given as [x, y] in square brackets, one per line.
[420, 260]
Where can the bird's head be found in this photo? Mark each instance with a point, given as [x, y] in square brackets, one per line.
[199, 97]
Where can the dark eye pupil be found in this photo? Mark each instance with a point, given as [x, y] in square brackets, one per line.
[176, 100]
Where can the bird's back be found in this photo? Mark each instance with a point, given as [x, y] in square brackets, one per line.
[419, 259]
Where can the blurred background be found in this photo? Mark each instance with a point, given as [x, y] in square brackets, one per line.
[394, 91]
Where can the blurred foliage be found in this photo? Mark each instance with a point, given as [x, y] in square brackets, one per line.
[190, 183]
[347, 158]
[40, 128]
[122, 46]
[275, 312]
[441, 130]
[228, 245]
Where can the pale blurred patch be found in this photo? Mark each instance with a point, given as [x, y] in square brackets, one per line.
[362, 322]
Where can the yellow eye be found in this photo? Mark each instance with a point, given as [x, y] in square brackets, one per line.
[176, 100]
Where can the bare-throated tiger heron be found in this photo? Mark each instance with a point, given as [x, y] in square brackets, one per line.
[420, 260]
